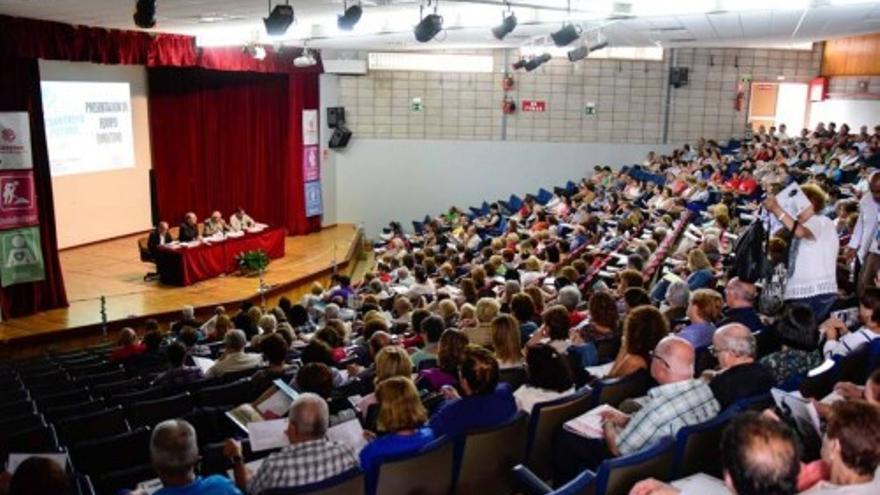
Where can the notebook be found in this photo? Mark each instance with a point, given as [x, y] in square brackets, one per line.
[589, 424]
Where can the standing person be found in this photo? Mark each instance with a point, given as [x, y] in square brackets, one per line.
[863, 242]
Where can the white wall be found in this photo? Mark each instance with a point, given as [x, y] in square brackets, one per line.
[329, 90]
[856, 113]
[379, 180]
[95, 206]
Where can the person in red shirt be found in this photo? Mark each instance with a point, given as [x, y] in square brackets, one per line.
[733, 182]
[747, 183]
[128, 346]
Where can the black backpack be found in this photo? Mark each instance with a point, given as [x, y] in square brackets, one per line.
[749, 255]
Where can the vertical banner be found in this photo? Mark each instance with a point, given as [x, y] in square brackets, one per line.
[18, 201]
[21, 255]
[311, 164]
[15, 141]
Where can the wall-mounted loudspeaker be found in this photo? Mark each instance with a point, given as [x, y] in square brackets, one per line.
[335, 117]
[340, 137]
[678, 77]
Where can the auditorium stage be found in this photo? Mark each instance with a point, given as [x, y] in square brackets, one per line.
[113, 269]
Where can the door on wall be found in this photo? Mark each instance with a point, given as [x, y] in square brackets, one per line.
[772, 104]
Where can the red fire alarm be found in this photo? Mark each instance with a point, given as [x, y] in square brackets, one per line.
[819, 89]
[507, 82]
[508, 106]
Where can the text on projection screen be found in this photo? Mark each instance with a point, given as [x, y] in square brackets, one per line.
[88, 126]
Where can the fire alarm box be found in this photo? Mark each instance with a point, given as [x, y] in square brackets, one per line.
[819, 89]
[507, 82]
[508, 106]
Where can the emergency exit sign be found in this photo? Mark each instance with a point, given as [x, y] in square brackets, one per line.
[534, 106]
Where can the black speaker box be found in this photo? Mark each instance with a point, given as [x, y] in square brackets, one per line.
[340, 137]
[335, 117]
[678, 76]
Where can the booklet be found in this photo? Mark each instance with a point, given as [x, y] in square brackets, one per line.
[273, 404]
[204, 364]
[792, 200]
[350, 433]
[268, 435]
[589, 424]
[801, 410]
[700, 484]
[15, 459]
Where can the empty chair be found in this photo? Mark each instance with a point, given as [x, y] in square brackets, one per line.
[101, 456]
[138, 396]
[114, 481]
[91, 368]
[92, 426]
[14, 394]
[350, 482]
[229, 394]
[100, 378]
[46, 377]
[615, 390]
[513, 376]
[545, 420]
[427, 473]
[39, 439]
[60, 413]
[489, 455]
[120, 387]
[64, 399]
[23, 422]
[614, 476]
[59, 387]
[696, 446]
[150, 412]
[16, 408]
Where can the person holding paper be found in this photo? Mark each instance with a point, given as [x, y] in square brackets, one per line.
[234, 358]
[311, 457]
[812, 273]
[863, 242]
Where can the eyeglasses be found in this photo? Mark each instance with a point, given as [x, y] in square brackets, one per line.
[715, 351]
[656, 356]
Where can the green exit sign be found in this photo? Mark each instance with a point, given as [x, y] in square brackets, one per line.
[590, 109]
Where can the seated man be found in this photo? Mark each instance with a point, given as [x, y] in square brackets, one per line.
[189, 229]
[310, 457]
[839, 341]
[240, 221]
[760, 456]
[214, 224]
[128, 346]
[486, 402]
[740, 376]
[740, 297]
[187, 319]
[678, 401]
[158, 237]
[175, 454]
[234, 358]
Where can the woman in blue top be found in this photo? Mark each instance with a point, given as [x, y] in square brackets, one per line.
[701, 270]
[401, 424]
[703, 311]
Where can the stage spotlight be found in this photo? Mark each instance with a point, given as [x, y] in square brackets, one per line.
[350, 17]
[507, 25]
[307, 59]
[566, 35]
[578, 53]
[279, 19]
[428, 27]
[145, 14]
[535, 62]
[255, 51]
[598, 46]
[519, 64]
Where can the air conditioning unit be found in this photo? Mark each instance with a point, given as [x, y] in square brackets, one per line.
[348, 67]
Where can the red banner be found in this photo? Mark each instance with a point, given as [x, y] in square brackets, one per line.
[18, 201]
[534, 106]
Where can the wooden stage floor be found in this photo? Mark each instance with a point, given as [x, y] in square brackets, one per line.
[113, 269]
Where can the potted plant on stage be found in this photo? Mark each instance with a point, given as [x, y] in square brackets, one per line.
[254, 263]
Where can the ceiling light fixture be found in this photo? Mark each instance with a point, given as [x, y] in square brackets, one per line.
[430, 25]
[535, 62]
[145, 14]
[508, 24]
[254, 50]
[307, 59]
[350, 16]
[280, 18]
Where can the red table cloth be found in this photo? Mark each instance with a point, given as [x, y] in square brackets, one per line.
[186, 266]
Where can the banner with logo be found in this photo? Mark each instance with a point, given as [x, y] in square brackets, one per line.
[311, 167]
[314, 207]
[21, 255]
[15, 141]
[310, 127]
[18, 201]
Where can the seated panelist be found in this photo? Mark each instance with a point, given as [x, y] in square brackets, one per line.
[189, 229]
[214, 224]
[240, 220]
[158, 237]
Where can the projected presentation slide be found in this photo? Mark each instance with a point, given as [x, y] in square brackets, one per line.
[88, 126]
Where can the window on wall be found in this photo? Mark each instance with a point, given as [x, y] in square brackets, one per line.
[429, 62]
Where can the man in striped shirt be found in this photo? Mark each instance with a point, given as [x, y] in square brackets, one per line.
[839, 341]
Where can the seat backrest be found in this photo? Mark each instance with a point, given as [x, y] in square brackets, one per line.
[615, 390]
[350, 482]
[71, 396]
[229, 394]
[101, 378]
[427, 473]
[820, 385]
[60, 413]
[150, 412]
[92, 426]
[515, 377]
[122, 386]
[854, 366]
[617, 476]
[39, 439]
[546, 419]
[16, 408]
[696, 446]
[121, 479]
[489, 455]
[112, 454]
[140, 395]
[23, 422]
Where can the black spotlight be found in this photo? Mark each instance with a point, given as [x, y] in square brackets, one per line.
[535, 62]
[578, 53]
[279, 20]
[598, 46]
[507, 25]
[428, 27]
[145, 14]
[349, 18]
[566, 35]
[519, 64]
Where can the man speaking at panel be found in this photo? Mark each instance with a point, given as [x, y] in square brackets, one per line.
[214, 225]
[240, 221]
[189, 229]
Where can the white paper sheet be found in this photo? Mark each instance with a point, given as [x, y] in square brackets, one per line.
[349, 433]
[792, 200]
[266, 435]
[203, 363]
[15, 459]
[150, 486]
[589, 424]
[801, 410]
[701, 484]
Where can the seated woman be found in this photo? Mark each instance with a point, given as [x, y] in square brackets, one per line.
[796, 331]
[703, 311]
[449, 355]
[180, 373]
[644, 327]
[274, 348]
[549, 378]
[506, 342]
[401, 424]
[700, 270]
[391, 361]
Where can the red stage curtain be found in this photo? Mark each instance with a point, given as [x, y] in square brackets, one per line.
[20, 91]
[226, 139]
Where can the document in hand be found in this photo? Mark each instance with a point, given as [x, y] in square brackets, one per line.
[273, 404]
[792, 200]
[267, 435]
[701, 483]
[350, 433]
[801, 410]
[589, 424]
[15, 459]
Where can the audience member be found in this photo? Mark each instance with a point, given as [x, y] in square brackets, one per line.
[739, 375]
[234, 358]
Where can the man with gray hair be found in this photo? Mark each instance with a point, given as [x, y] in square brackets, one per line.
[740, 297]
[234, 358]
[187, 319]
[174, 453]
[570, 297]
[678, 296]
[739, 375]
[311, 457]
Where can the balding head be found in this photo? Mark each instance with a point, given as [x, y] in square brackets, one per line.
[309, 418]
[734, 344]
[673, 360]
[740, 294]
[127, 337]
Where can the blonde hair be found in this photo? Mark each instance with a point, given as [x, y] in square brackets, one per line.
[816, 195]
[467, 311]
[447, 309]
[400, 407]
[697, 260]
[506, 339]
[487, 308]
[708, 302]
[392, 361]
